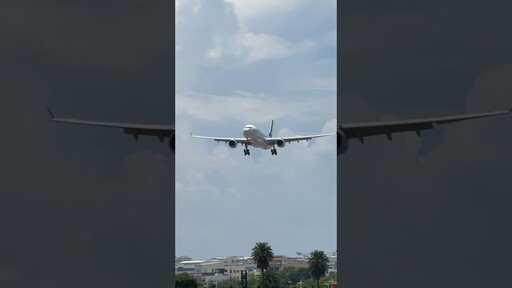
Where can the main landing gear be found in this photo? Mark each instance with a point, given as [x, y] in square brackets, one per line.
[273, 151]
[246, 151]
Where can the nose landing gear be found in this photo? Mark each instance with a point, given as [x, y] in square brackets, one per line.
[246, 151]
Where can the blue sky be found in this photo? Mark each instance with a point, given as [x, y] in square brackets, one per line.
[241, 62]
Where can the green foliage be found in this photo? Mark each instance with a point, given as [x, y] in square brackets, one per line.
[331, 276]
[308, 283]
[324, 281]
[271, 279]
[294, 275]
[318, 265]
[252, 280]
[184, 280]
[262, 254]
[229, 283]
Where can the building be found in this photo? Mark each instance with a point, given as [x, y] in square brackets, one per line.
[295, 262]
[333, 264]
[187, 266]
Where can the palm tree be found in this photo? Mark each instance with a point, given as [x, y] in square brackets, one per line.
[262, 254]
[318, 265]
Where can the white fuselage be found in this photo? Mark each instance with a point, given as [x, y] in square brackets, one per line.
[257, 138]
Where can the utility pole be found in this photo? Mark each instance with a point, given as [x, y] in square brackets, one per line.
[243, 277]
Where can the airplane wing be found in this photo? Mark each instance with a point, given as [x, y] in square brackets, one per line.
[361, 130]
[225, 140]
[296, 138]
[161, 131]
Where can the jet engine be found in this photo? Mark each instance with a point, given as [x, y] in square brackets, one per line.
[280, 143]
[232, 143]
[172, 143]
[341, 142]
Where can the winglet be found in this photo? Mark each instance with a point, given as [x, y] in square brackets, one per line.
[51, 113]
[191, 134]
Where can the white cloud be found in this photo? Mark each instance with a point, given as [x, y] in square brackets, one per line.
[228, 75]
[233, 43]
[261, 46]
[247, 10]
[246, 47]
[247, 108]
[211, 34]
[213, 174]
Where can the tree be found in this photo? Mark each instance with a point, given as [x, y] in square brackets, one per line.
[272, 279]
[184, 280]
[262, 254]
[294, 275]
[318, 265]
[229, 283]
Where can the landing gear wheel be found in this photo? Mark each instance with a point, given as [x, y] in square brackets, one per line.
[246, 151]
[273, 151]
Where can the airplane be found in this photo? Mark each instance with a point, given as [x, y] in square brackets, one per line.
[362, 130]
[254, 137]
[161, 131]
[345, 132]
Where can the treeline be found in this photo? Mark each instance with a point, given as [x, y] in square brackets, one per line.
[290, 277]
[312, 276]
